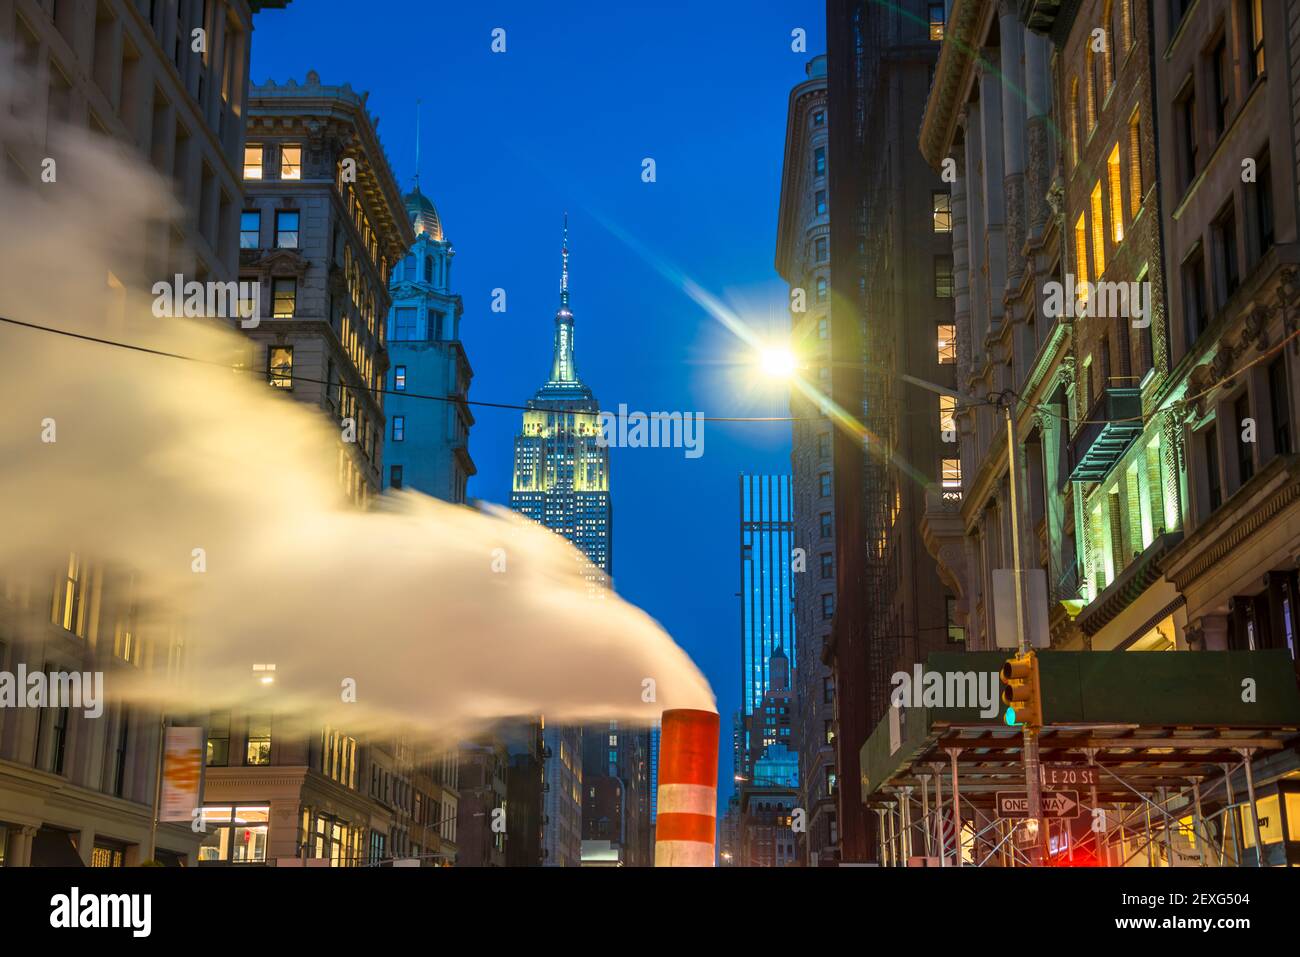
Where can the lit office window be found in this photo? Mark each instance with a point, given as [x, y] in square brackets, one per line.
[947, 344]
[947, 413]
[259, 740]
[399, 379]
[290, 162]
[936, 22]
[1113, 181]
[284, 297]
[280, 367]
[942, 205]
[253, 161]
[951, 473]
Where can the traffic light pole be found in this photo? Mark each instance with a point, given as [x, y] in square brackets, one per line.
[1033, 778]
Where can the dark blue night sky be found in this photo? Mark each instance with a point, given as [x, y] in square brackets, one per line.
[561, 121]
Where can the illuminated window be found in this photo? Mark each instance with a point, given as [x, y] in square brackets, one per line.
[290, 162]
[68, 599]
[1113, 183]
[253, 161]
[819, 161]
[1135, 189]
[950, 472]
[941, 202]
[235, 834]
[1074, 121]
[259, 740]
[280, 366]
[399, 379]
[284, 297]
[1098, 233]
[936, 22]
[1255, 39]
[101, 856]
[286, 229]
[1081, 259]
[1094, 89]
[250, 229]
[819, 202]
[948, 414]
[126, 643]
[947, 344]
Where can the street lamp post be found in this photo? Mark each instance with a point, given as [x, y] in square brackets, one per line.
[1033, 779]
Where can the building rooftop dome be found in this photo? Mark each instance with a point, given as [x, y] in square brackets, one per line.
[424, 215]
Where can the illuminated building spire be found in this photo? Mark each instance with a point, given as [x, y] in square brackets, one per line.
[562, 369]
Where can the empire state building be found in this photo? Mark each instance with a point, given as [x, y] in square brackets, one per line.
[561, 473]
[561, 480]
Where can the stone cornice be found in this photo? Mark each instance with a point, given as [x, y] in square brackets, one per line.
[1214, 540]
[956, 61]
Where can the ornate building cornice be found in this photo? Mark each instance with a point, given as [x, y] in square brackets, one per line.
[957, 60]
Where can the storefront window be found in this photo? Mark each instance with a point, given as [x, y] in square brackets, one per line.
[235, 834]
[1270, 821]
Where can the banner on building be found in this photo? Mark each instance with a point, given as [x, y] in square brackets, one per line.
[182, 773]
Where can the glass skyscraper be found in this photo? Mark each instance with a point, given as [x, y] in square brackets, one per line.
[766, 589]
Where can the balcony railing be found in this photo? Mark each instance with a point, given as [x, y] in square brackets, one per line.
[1110, 427]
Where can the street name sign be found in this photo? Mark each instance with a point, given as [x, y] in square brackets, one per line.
[1069, 776]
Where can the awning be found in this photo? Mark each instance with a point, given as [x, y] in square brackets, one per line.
[53, 848]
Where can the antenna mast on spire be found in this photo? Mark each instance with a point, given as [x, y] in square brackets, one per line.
[418, 101]
[564, 269]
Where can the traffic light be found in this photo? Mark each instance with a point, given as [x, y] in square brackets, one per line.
[1022, 696]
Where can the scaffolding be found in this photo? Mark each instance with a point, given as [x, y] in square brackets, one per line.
[1177, 786]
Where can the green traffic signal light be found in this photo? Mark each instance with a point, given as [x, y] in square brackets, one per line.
[1010, 716]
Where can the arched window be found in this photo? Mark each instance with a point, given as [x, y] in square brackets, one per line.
[1111, 60]
[1074, 121]
[1093, 102]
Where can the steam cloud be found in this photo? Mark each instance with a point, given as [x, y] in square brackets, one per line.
[157, 456]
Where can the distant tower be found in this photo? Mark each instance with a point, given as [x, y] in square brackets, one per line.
[561, 480]
[561, 474]
[426, 446]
